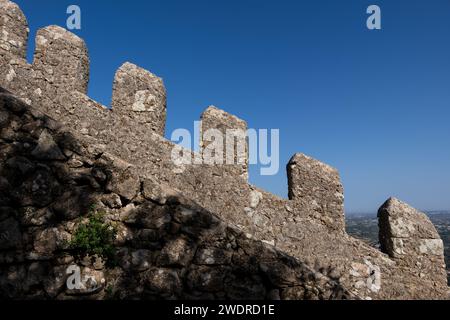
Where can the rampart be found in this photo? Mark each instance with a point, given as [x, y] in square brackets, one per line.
[309, 226]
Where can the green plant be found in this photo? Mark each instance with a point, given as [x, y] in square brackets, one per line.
[94, 237]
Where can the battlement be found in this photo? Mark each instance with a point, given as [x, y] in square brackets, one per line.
[317, 185]
[144, 92]
[57, 80]
[409, 237]
[309, 225]
[231, 134]
[14, 29]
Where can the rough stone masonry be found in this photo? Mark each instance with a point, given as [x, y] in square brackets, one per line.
[190, 231]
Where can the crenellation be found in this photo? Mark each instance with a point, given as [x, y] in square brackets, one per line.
[410, 238]
[13, 29]
[318, 186]
[166, 246]
[221, 131]
[140, 95]
[61, 58]
[309, 225]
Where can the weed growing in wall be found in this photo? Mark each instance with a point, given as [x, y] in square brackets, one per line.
[94, 237]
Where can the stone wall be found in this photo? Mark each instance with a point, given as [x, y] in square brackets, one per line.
[317, 185]
[229, 132]
[308, 226]
[166, 247]
[409, 237]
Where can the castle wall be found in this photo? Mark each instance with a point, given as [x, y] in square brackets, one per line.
[140, 96]
[167, 247]
[309, 226]
[14, 29]
[231, 135]
[317, 185]
[409, 237]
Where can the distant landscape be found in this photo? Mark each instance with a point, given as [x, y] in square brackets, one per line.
[365, 227]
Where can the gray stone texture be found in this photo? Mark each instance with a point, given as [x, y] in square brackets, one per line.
[409, 237]
[140, 96]
[61, 59]
[234, 140]
[13, 29]
[318, 186]
[168, 247]
[120, 160]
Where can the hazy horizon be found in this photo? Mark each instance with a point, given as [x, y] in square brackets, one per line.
[429, 212]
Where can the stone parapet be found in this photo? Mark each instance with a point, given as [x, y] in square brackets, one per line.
[318, 186]
[308, 226]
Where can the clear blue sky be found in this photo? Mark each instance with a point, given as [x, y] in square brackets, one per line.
[374, 104]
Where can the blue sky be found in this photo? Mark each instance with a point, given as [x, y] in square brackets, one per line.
[374, 104]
